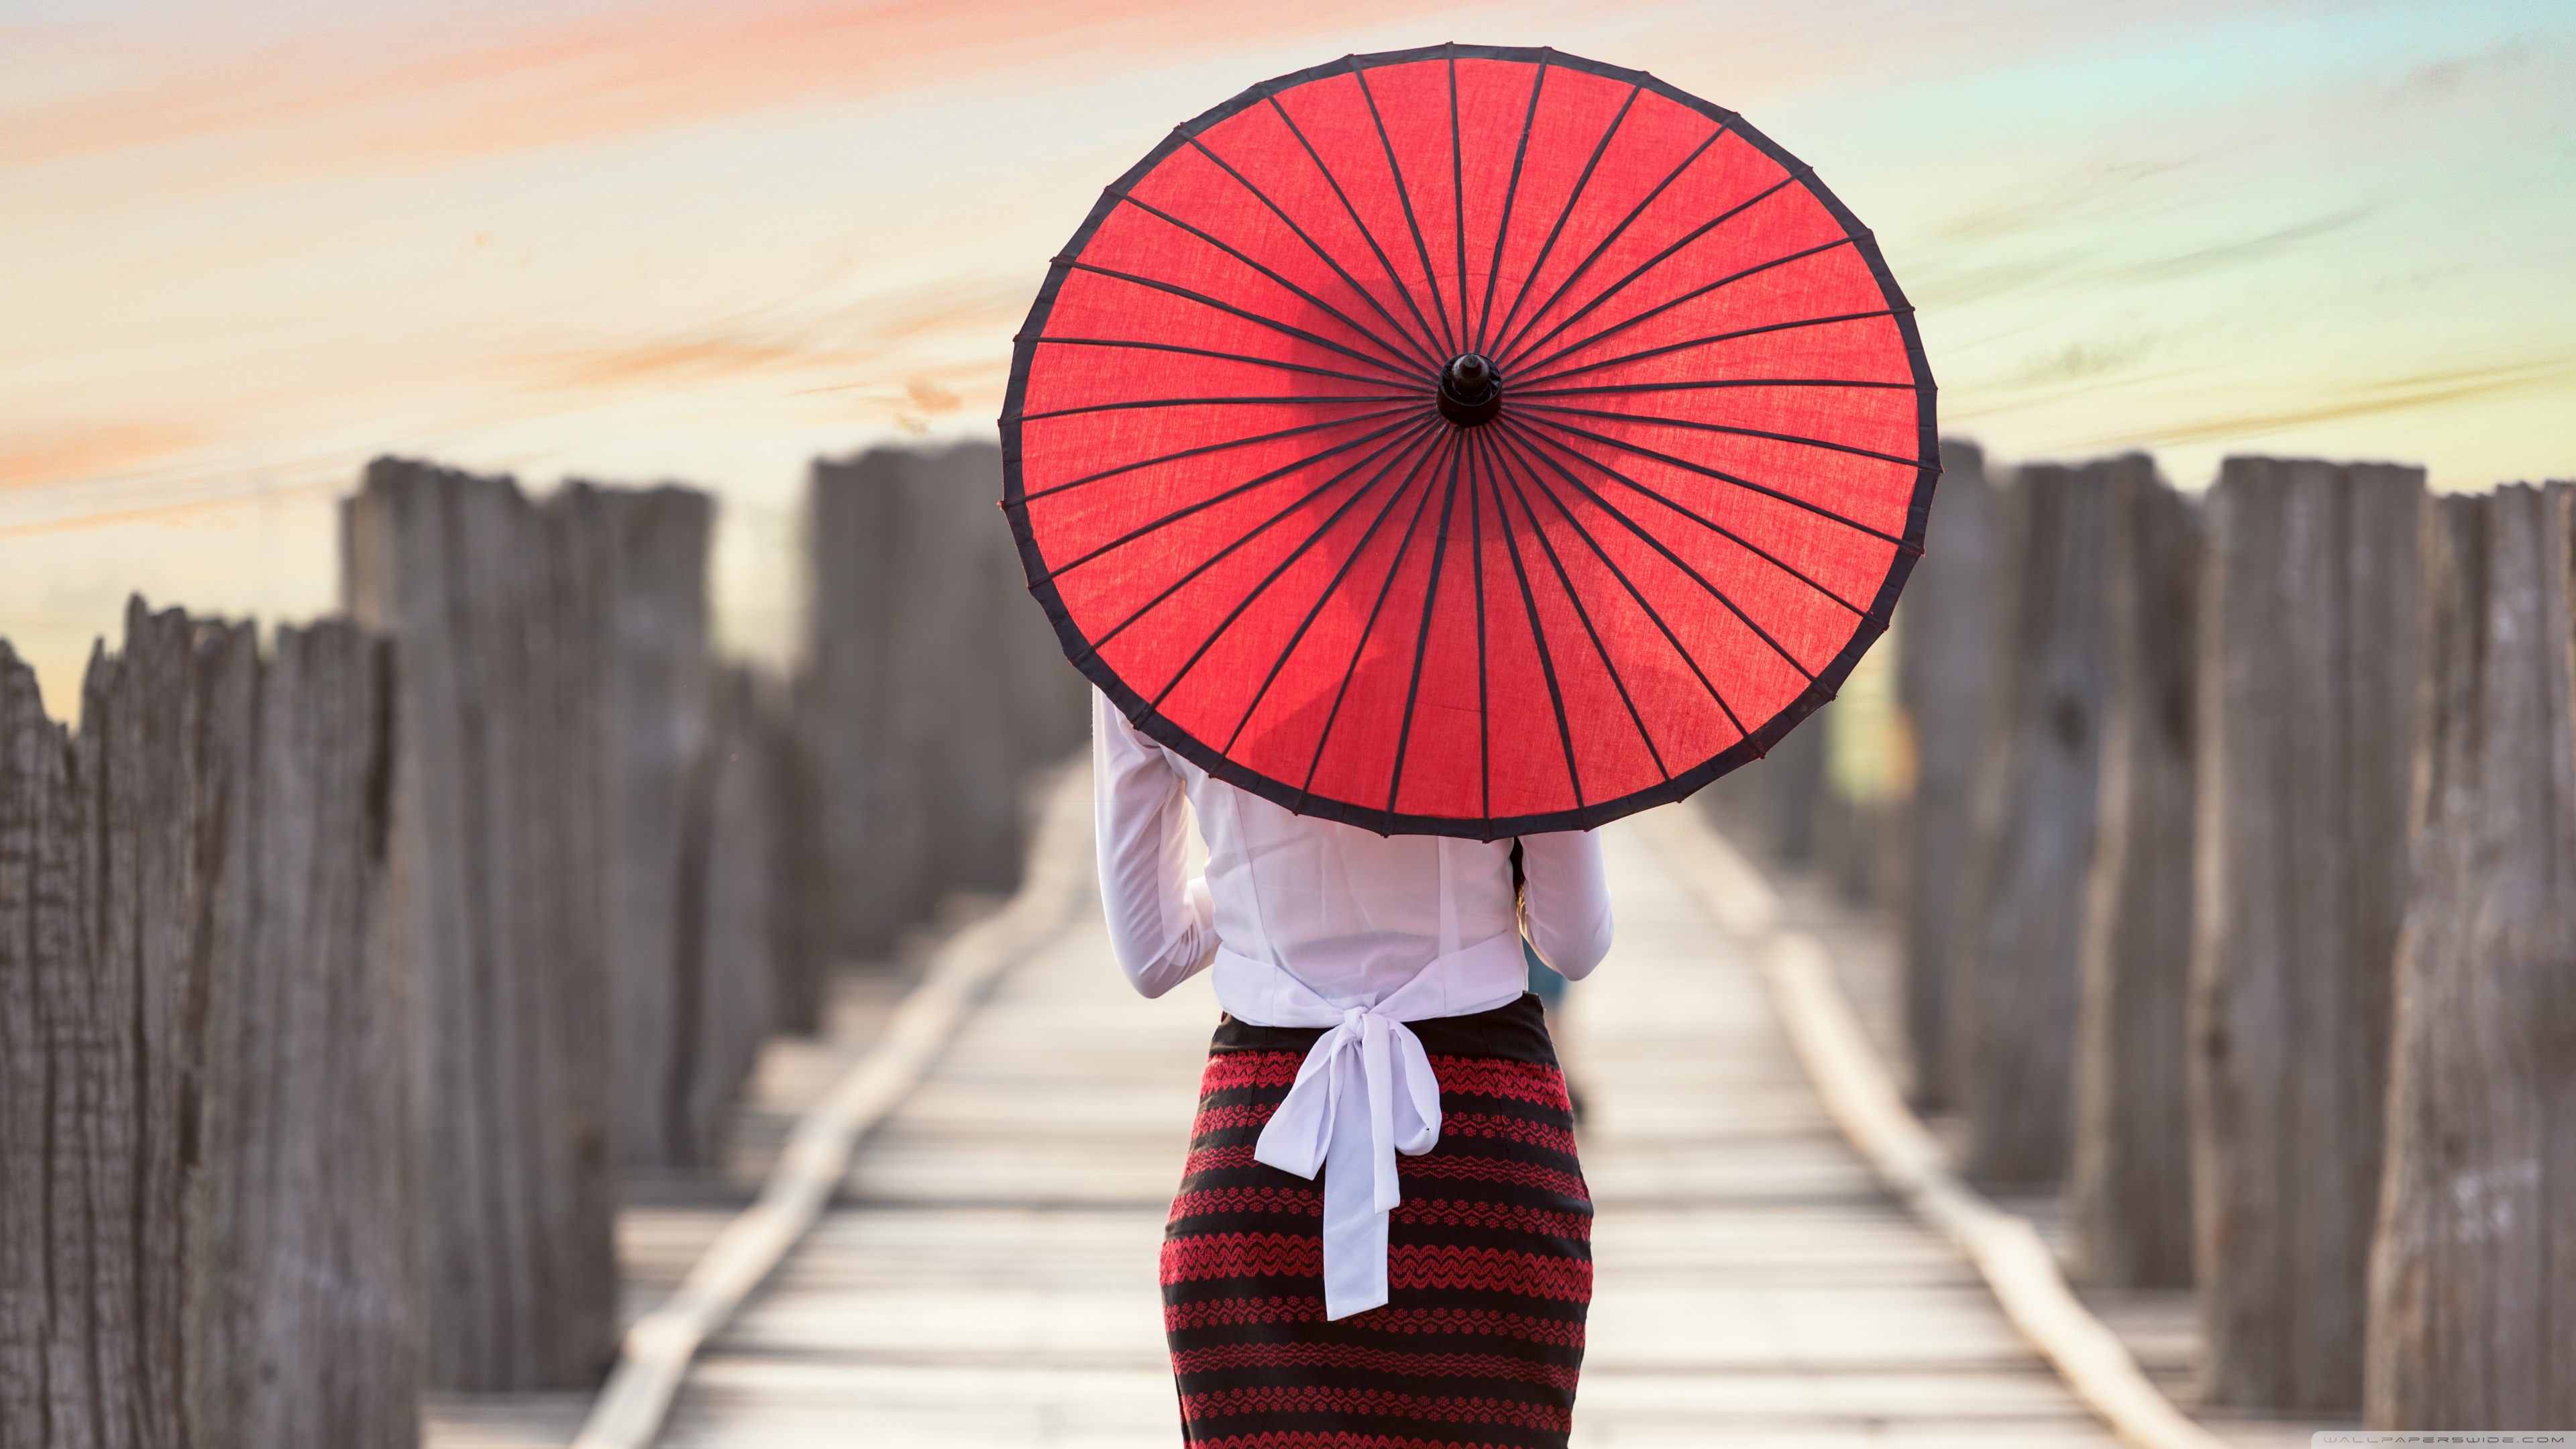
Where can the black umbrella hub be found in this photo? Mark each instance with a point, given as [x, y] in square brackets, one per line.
[1471, 391]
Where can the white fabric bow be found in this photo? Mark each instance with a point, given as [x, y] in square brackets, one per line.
[1364, 1093]
[1376, 1065]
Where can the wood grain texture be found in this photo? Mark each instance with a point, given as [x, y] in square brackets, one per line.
[2021, 898]
[2128, 1190]
[493, 915]
[305, 1288]
[2473, 1281]
[44, 823]
[2306, 706]
[203, 1151]
[35, 793]
[1944, 640]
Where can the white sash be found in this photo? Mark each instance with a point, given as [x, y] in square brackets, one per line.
[1364, 1093]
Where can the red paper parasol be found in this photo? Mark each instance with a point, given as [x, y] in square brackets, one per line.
[1469, 441]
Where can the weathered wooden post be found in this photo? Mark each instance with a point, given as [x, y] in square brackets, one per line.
[1945, 643]
[306, 1322]
[2013, 963]
[40, 850]
[2306, 708]
[493, 915]
[205, 1235]
[2128, 1189]
[101, 858]
[632, 567]
[2473, 1277]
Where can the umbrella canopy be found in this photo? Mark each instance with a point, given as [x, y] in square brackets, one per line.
[1469, 441]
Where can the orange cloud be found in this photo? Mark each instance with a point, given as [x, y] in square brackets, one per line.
[859, 347]
[68, 454]
[409, 96]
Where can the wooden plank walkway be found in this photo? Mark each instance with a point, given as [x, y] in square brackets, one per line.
[988, 1275]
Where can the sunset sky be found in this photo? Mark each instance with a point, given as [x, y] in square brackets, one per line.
[244, 248]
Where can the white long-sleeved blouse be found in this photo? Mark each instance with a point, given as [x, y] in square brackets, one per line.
[1313, 923]
[1351, 914]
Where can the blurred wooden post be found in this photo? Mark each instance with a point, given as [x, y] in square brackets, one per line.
[2473, 1278]
[1945, 642]
[800, 954]
[2306, 703]
[2128, 1190]
[635, 564]
[862, 872]
[729, 947]
[307, 1323]
[934, 687]
[1772, 803]
[2013, 964]
[493, 916]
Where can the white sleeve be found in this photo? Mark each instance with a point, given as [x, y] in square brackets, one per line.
[1567, 900]
[1161, 926]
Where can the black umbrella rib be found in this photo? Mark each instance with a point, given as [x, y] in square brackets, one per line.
[1194, 402]
[1422, 635]
[1705, 471]
[1403, 546]
[1273, 323]
[1703, 581]
[1694, 294]
[1503, 227]
[1404, 195]
[1412, 343]
[1657, 420]
[1712, 525]
[1652, 614]
[1548, 248]
[1524, 343]
[1481, 448]
[1394, 454]
[1591, 631]
[1025, 499]
[1213, 499]
[1708, 341]
[1414, 386]
[1430, 339]
[1699, 385]
[1237, 253]
[1458, 195]
[1538, 641]
[1331, 587]
[1602, 247]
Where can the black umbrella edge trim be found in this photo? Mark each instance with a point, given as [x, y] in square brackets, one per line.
[1376, 819]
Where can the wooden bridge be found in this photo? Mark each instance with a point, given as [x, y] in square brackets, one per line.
[985, 1274]
[376, 1005]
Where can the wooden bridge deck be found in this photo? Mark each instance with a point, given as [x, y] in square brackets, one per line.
[988, 1274]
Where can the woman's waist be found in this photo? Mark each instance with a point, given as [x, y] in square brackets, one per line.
[1513, 1031]
[1316, 989]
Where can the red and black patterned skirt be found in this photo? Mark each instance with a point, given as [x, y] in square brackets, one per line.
[1489, 1260]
